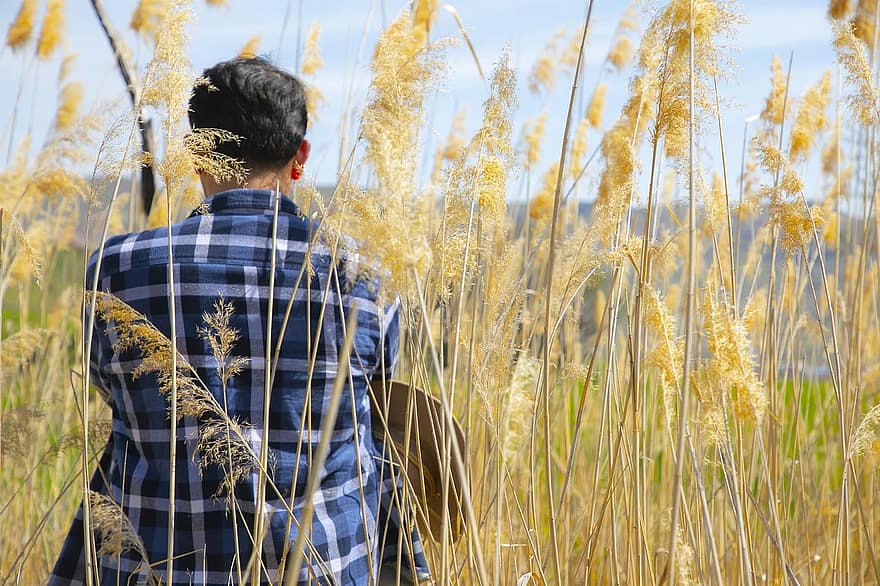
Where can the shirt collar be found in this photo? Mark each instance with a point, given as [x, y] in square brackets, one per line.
[257, 201]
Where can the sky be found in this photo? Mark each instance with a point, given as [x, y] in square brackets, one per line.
[350, 27]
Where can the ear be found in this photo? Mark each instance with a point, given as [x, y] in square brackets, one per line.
[299, 159]
[302, 153]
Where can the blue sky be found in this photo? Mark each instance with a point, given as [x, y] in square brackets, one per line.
[773, 27]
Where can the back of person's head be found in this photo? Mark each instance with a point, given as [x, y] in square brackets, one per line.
[260, 103]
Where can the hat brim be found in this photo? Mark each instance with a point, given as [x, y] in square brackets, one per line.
[403, 412]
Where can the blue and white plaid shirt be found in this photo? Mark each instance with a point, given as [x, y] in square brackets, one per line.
[226, 252]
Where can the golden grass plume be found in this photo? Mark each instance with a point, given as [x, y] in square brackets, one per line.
[147, 17]
[22, 26]
[311, 56]
[52, 30]
[251, 47]
[852, 54]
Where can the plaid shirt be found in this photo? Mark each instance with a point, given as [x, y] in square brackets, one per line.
[227, 252]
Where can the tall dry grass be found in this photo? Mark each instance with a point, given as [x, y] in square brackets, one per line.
[679, 386]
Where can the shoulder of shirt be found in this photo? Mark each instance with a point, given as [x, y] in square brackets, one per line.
[348, 258]
[113, 243]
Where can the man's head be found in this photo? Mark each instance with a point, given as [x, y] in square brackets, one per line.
[260, 103]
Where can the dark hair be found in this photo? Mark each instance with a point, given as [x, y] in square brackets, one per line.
[260, 103]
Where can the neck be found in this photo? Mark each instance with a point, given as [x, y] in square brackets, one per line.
[276, 179]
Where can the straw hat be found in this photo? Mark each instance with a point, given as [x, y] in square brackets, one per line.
[399, 404]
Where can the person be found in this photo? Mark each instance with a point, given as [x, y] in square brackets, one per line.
[224, 251]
